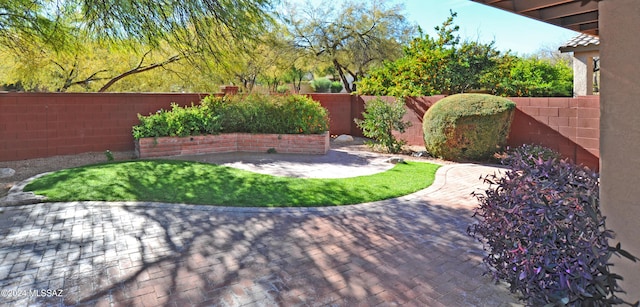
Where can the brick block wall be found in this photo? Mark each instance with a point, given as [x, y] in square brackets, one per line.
[34, 125]
[568, 125]
[232, 142]
[340, 108]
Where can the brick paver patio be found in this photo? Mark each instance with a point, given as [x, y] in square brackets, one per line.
[410, 251]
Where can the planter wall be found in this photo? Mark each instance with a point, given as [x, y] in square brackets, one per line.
[316, 144]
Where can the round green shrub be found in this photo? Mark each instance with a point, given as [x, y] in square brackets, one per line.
[321, 85]
[467, 127]
[336, 87]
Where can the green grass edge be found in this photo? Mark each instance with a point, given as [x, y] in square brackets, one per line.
[176, 181]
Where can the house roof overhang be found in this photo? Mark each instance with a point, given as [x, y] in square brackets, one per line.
[576, 15]
[581, 43]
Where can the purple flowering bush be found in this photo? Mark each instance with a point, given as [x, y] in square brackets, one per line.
[543, 231]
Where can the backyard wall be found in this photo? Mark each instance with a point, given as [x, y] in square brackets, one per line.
[36, 125]
[342, 108]
[568, 125]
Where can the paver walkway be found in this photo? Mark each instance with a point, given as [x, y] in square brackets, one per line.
[410, 251]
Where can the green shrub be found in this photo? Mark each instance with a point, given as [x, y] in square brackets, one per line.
[109, 155]
[321, 85]
[180, 121]
[530, 77]
[336, 87]
[381, 118]
[288, 114]
[467, 126]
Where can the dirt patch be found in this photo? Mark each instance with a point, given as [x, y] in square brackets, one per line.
[28, 168]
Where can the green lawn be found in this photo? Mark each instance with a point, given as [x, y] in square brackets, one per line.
[208, 184]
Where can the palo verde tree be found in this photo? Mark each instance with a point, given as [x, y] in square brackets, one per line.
[95, 67]
[63, 29]
[351, 39]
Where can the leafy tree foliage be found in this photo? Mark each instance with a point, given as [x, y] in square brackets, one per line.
[444, 65]
[27, 22]
[433, 65]
[269, 60]
[531, 77]
[351, 39]
[61, 45]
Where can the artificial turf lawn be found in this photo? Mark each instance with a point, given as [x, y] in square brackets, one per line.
[209, 184]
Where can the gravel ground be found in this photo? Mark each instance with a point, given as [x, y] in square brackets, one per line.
[28, 168]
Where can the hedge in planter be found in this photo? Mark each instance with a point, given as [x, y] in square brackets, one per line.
[467, 126]
[291, 114]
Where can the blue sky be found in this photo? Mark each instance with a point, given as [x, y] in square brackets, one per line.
[519, 34]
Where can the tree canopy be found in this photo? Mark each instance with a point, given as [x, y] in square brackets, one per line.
[197, 45]
[59, 45]
[444, 65]
[184, 23]
[351, 39]
[433, 65]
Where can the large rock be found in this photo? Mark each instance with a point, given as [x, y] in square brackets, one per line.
[6, 172]
[467, 127]
[344, 138]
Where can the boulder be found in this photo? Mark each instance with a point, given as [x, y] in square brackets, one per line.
[6, 172]
[344, 138]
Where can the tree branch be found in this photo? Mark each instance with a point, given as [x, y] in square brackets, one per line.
[139, 69]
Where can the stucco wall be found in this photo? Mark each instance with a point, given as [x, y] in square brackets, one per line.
[583, 72]
[620, 131]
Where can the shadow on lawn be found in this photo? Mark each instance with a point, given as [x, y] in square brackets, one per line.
[401, 251]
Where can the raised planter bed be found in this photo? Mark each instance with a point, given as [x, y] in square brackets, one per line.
[315, 144]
